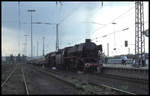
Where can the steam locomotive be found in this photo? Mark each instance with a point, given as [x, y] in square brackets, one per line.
[81, 57]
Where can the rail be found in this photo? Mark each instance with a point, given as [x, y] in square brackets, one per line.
[113, 89]
[10, 75]
[8, 78]
[138, 80]
[25, 83]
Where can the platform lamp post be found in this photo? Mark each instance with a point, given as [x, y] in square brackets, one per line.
[37, 47]
[31, 11]
[26, 44]
[114, 35]
[57, 33]
[43, 46]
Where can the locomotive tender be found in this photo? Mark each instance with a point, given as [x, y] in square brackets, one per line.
[81, 57]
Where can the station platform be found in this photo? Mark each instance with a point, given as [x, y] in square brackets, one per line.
[124, 66]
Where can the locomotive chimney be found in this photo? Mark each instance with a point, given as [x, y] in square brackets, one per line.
[87, 40]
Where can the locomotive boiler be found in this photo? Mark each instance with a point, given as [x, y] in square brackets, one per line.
[81, 57]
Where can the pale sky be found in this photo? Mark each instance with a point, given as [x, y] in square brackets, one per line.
[79, 20]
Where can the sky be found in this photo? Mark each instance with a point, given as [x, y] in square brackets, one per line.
[77, 21]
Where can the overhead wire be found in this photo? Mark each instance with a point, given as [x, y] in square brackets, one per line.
[61, 20]
[71, 14]
[110, 34]
[68, 15]
[71, 42]
[113, 20]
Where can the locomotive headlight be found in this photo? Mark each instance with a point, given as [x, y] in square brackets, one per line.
[87, 64]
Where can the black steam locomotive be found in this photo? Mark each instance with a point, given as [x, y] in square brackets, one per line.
[82, 57]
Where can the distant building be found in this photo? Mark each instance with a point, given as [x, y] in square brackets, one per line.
[147, 58]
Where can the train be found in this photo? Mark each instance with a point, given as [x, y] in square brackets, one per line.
[80, 57]
[118, 61]
[40, 61]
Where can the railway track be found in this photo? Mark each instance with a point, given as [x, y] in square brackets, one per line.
[104, 86]
[124, 78]
[87, 87]
[135, 80]
[9, 76]
[7, 82]
[127, 72]
[25, 83]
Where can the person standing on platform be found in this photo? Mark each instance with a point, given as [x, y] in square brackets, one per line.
[101, 62]
[133, 62]
[143, 60]
[139, 60]
[122, 58]
[125, 60]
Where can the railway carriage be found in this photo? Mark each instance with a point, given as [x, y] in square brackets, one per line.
[39, 61]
